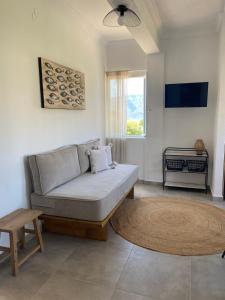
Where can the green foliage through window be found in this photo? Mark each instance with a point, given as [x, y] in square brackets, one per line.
[135, 127]
[135, 106]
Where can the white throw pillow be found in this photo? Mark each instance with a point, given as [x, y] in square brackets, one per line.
[108, 150]
[98, 160]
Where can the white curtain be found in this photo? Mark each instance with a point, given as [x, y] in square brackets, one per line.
[116, 113]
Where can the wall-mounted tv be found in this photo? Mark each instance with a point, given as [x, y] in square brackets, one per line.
[186, 94]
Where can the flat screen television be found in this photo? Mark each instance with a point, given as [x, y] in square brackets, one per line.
[186, 94]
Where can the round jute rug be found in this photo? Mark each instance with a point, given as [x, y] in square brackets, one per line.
[175, 226]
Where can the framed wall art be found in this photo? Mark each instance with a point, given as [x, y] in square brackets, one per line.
[61, 87]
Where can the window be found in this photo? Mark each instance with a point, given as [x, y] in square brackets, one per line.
[125, 104]
[135, 119]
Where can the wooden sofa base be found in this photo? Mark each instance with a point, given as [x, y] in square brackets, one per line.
[78, 228]
[96, 230]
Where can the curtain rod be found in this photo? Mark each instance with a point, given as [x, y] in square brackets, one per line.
[141, 70]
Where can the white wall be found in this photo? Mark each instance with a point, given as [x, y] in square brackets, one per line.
[127, 55]
[187, 59]
[57, 34]
[191, 59]
[217, 184]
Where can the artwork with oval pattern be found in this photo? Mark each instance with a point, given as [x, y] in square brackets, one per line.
[57, 82]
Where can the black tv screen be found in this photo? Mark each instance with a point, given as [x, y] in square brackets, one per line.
[186, 94]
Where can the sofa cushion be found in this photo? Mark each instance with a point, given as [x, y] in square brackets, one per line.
[88, 197]
[54, 168]
[83, 156]
[108, 150]
[98, 160]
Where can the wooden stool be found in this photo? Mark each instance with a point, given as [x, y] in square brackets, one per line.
[14, 222]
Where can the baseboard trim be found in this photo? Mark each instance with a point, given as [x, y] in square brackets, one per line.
[149, 182]
[217, 198]
[157, 183]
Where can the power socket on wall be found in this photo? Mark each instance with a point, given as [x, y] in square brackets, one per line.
[34, 14]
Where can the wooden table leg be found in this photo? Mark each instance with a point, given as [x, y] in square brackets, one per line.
[13, 252]
[22, 239]
[38, 234]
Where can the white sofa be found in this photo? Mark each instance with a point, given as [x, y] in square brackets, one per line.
[67, 192]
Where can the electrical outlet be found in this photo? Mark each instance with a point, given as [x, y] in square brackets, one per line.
[34, 13]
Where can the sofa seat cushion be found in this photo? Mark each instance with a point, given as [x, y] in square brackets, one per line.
[90, 196]
[51, 169]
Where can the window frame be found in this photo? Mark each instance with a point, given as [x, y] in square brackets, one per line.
[140, 73]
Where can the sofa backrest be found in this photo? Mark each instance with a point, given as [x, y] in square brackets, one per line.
[82, 153]
[54, 168]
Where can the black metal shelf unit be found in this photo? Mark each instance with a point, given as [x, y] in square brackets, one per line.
[188, 155]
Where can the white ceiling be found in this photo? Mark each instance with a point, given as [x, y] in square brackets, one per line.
[189, 14]
[172, 15]
[93, 12]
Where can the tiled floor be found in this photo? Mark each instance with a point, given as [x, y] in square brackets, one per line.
[78, 269]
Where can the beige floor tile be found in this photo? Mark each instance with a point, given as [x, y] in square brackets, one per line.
[63, 286]
[208, 278]
[156, 275]
[28, 281]
[97, 263]
[122, 295]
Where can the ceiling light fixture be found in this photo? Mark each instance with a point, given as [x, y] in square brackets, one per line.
[121, 16]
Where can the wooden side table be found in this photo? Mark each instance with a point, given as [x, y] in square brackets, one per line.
[14, 222]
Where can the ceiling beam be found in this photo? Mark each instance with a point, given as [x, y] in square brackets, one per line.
[146, 34]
